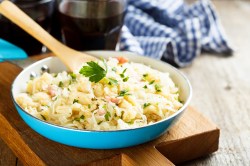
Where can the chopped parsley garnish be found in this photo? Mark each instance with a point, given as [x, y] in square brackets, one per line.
[123, 93]
[122, 75]
[60, 84]
[124, 70]
[99, 122]
[157, 88]
[73, 76]
[94, 71]
[151, 82]
[114, 69]
[122, 113]
[89, 106]
[146, 105]
[55, 75]
[107, 116]
[144, 76]
[131, 122]
[112, 81]
[75, 101]
[145, 87]
[104, 106]
[78, 119]
[125, 79]
[44, 118]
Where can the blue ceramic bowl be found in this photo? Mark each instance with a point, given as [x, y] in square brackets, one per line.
[101, 139]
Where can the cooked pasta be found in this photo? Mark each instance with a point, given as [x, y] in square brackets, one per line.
[129, 95]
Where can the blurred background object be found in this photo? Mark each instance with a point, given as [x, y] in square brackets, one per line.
[173, 30]
[9, 51]
[41, 11]
[91, 25]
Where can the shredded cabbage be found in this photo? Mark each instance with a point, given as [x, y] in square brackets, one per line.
[129, 96]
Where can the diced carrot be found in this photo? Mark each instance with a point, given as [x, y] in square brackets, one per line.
[122, 60]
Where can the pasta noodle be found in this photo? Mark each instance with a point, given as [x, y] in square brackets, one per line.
[129, 96]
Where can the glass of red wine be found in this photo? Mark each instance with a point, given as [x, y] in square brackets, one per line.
[91, 24]
[39, 10]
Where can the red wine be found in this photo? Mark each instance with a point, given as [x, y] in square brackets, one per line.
[17, 36]
[91, 30]
[41, 13]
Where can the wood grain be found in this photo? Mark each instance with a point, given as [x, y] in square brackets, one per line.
[222, 87]
[6, 155]
[116, 160]
[33, 149]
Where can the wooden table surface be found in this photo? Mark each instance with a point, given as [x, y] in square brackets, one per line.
[221, 90]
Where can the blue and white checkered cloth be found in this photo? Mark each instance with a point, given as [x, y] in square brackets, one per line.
[172, 30]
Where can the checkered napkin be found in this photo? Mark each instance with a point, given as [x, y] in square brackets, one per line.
[172, 30]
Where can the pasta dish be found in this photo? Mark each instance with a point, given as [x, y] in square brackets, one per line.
[104, 95]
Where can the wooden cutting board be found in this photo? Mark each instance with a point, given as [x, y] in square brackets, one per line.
[191, 137]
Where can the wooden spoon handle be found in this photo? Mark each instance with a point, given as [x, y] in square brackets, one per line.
[66, 54]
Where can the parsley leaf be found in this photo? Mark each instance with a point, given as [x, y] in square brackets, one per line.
[93, 71]
[122, 113]
[107, 116]
[124, 70]
[145, 87]
[112, 81]
[104, 106]
[157, 88]
[75, 101]
[125, 79]
[73, 76]
[151, 82]
[60, 84]
[123, 93]
[130, 122]
[122, 75]
[78, 119]
[146, 105]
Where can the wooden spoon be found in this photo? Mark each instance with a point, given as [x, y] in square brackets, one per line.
[71, 58]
